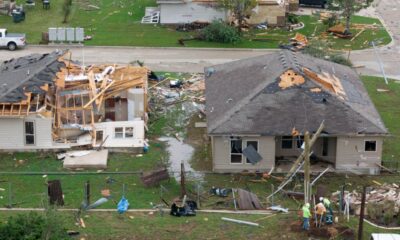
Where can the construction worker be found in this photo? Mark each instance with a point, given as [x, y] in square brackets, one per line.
[320, 211]
[306, 216]
[329, 213]
[327, 204]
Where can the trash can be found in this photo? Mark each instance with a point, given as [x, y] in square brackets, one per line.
[18, 16]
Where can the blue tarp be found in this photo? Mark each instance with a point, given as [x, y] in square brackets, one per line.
[123, 205]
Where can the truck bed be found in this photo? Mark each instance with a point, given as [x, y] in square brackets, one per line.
[14, 35]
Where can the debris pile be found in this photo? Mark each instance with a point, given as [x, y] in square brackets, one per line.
[385, 194]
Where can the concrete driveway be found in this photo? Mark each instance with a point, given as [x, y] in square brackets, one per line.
[389, 13]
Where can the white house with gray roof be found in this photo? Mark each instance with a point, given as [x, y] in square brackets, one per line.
[258, 110]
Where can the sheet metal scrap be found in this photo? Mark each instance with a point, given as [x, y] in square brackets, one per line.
[247, 200]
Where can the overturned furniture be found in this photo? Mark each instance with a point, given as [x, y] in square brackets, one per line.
[54, 103]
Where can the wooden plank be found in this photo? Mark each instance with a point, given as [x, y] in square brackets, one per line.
[92, 84]
[98, 95]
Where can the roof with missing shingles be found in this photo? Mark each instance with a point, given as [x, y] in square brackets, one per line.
[27, 74]
[244, 97]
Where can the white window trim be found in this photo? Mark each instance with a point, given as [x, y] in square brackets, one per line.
[124, 131]
[258, 148]
[115, 133]
[230, 153]
[376, 145]
[133, 132]
[34, 133]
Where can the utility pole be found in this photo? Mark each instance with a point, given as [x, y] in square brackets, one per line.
[380, 62]
[360, 224]
[307, 193]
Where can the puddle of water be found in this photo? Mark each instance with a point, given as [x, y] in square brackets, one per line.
[180, 152]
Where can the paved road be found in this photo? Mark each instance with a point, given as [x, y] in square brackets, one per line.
[388, 11]
[160, 59]
[194, 60]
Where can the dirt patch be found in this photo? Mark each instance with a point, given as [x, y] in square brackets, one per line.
[325, 232]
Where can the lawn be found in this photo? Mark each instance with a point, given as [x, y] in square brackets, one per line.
[30, 190]
[387, 104]
[117, 23]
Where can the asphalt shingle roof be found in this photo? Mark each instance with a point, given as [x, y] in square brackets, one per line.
[243, 97]
[27, 74]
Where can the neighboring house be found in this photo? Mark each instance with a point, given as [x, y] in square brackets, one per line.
[47, 102]
[187, 11]
[258, 110]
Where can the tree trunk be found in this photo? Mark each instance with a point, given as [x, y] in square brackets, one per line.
[348, 18]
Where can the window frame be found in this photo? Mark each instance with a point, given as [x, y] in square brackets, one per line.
[236, 154]
[365, 146]
[246, 160]
[30, 134]
[125, 132]
[286, 139]
[122, 133]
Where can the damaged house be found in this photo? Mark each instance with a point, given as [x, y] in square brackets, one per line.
[272, 12]
[258, 110]
[47, 102]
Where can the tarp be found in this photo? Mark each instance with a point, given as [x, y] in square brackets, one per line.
[123, 205]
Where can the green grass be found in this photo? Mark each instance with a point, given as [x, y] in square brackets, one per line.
[117, 23]
[29, 191]
[387, 105]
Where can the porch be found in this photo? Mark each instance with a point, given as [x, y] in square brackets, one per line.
[288, 148]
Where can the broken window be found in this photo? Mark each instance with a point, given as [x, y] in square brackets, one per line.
[254, 144]
[299, 141]
[325, 145]
[236, 151]
[29, 133]
[287, 142]
[119, 132]
[129, 132]
[370, 146]
[99, 136]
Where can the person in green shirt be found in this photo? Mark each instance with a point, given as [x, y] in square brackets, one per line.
[327, 204]
[306, 216]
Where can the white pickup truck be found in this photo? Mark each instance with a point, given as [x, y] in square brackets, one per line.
[11, 40]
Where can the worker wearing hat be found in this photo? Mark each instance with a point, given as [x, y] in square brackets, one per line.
[306, 216]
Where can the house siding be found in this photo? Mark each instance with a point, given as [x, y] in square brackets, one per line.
[176, 13]
[221, 154]
[350, 154]
[269, 14]
[108, 129]
[12, 133]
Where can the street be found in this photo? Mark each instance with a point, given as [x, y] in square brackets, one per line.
[195, 59]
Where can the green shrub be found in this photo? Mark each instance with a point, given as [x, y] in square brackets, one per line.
[292, 18]
[219, 31]
[33, 226]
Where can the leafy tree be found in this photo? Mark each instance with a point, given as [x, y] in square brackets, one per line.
[349, 8]
[219, 31]
[239, 8]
